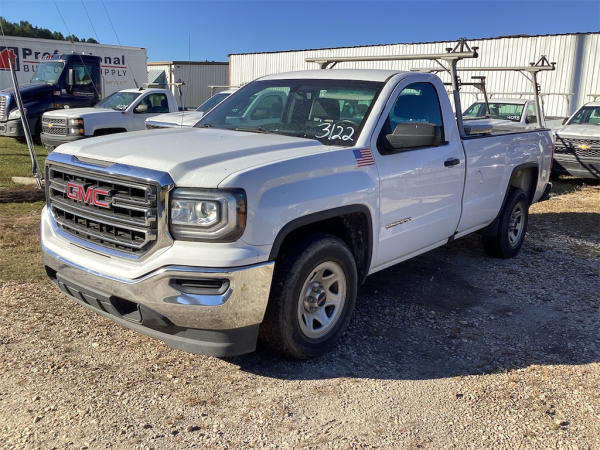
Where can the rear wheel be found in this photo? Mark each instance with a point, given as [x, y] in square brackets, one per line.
[512, 227]
[312, 297]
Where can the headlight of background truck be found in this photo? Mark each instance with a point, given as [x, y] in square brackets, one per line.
[15, 114]
[208, 214]
[75, 127]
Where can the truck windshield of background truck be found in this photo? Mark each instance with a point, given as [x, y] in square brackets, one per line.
[48, 72]
[587, 115]
[331, 111]
[504, 111]
[212, 102]
[119, 101]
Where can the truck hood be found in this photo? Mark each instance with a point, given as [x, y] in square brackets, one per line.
[74, 113]
[193, 157]
[30, 92]
[177, 119]
[579, 131]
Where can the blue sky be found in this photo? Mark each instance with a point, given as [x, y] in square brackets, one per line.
[209, 30]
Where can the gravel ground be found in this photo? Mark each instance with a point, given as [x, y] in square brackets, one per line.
[449, 349]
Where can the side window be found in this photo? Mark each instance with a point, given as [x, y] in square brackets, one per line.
[417, 103]
[531, 115]
[154, 103]
[82, 75]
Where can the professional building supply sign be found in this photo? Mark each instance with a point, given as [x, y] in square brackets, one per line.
[27, 59]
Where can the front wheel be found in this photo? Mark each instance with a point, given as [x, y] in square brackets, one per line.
[312, 297]
[512, 227]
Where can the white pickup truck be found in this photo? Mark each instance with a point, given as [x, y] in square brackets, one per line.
[510, 114]
[210, 237]
[577, 150]
[506, 114]
[121, 111]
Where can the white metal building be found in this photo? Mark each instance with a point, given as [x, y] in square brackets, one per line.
[198, 76]
[574, 82]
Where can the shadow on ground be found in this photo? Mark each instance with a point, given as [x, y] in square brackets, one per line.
[454, 311]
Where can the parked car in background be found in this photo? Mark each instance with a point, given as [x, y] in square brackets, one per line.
[122, 111]
[508, 113]
[187, 118]
[577, 144]
[267, 217]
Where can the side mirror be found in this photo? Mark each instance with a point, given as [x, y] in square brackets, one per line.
[70, 78]
[565, 120]
[412, 135]
[531, 119]
[141, 108]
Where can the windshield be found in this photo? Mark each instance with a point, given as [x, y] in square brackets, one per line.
[586, 115]
[331, 111]
[212, 102]
[504, 111]
[48, 72]
[118, 100]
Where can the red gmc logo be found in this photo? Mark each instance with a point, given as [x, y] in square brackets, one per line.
[87, 195]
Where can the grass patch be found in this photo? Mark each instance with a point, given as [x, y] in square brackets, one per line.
[19, 209]
[15, 161]
[20, 254]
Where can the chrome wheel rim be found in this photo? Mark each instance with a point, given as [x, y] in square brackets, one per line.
[321, 300]
[516, 225]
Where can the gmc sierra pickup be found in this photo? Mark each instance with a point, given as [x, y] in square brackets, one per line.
[264, 226]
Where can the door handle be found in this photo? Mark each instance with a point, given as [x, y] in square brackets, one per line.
[451, 162]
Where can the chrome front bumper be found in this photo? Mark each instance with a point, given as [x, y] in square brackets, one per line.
[201, 310]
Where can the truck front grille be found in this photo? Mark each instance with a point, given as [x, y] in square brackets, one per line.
[56, 127]
[4, 101]
[582, 148]
[102, 209]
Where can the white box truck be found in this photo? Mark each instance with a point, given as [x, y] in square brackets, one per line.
[57, 74]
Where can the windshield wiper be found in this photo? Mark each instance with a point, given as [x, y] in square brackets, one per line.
[253, 130]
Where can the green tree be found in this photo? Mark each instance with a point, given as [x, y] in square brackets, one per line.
[26, 29]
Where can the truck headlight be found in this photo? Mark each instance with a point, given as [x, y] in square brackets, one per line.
[15, 114]
[208, 214]
[75, 127]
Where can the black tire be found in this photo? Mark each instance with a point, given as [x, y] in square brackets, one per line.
[507, 242]
[282, 329]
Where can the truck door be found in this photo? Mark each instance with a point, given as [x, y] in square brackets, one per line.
[148, 106]
[420, 188]
[85, 85]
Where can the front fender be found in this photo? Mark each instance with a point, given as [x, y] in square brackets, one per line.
[282, 192]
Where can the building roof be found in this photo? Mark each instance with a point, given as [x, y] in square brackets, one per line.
[415, 43]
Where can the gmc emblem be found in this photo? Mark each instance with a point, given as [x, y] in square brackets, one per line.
[87, 195]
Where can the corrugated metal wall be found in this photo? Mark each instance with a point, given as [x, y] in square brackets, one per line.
[577, 70]
[197, 79]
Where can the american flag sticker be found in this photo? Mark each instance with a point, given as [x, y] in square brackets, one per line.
[363, 157]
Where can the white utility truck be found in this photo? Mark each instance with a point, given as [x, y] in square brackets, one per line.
[187, 118]
[211, 237]
[505, 113]
[122, 111]
[577, 143]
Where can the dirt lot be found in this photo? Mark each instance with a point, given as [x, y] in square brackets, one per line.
[450, 349]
